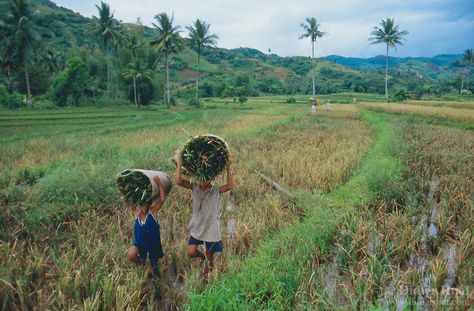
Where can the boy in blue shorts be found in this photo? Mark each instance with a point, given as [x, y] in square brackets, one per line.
[146, 231]
[204, 227]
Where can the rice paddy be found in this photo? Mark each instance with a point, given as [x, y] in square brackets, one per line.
[380, 212]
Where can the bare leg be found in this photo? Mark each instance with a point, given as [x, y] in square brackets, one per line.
[193, 252]
[132, 254]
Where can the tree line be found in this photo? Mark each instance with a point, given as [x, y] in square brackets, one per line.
[128, 62]
[21, 42]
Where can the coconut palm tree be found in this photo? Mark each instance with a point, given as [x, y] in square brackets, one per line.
[312, 31]
[106, 27]
[167, 42]
[389, 35]
[200, 38]
[18, 24]
[137, 71]
[467, 58]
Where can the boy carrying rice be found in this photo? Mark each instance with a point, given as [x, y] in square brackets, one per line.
[146, 231]
[204, 227]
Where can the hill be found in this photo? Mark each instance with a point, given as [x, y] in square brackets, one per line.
[239, 72]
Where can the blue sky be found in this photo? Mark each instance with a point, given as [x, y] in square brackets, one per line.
[435, 26]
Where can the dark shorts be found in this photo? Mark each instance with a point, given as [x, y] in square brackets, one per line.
[213, 247]
[147, 238]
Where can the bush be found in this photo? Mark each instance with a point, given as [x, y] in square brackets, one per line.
[12, 101]
[400, 95]
[70, 84]
[466, 92]
[291, 100]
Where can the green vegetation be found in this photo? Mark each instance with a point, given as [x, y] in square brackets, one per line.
[204, 157]
[271, 277]
[122, 65]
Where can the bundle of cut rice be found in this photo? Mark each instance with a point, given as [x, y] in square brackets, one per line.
[204, 157]
[139, 187]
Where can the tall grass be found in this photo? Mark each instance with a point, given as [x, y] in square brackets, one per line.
[411, 253]
[443, 113]
[284, 266]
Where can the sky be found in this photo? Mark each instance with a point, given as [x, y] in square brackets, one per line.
[434, 26]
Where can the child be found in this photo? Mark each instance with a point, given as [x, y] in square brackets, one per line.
[204, 226]
[328, 105]
[313, 105]
[146, 231]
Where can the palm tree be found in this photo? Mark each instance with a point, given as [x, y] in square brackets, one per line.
[467, 58]
[137, 71]
[312, 31]
[388, 34]
[200, 38]
[107, 28]
[167, 42]
[7, 55]
[23, 38]
[53, 60]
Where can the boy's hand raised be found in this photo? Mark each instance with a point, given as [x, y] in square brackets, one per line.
[230, 159]
[157, 179]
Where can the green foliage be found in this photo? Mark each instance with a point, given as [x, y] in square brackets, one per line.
[400, 95]
[291, 100]
[261, 282]
[11, 101]
[70, 84]
[40, 80]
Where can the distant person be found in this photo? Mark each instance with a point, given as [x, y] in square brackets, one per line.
[204, 227]
[328, 105]
[354, 100]
[146, 231]
[313, 106]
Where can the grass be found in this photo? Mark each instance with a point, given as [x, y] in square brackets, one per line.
[64, 231]
[443, 113]
[273, 275]
[382, 207]
[410, 251]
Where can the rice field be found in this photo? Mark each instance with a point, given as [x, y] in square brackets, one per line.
[65, 233]
[426, 111]
[368, 205]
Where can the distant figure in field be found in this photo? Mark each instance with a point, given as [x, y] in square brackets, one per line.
[313, 106]
[328, 105]
[354, 100]
[146, 231]
[204, 227]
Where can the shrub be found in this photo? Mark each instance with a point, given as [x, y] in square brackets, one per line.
[291, 100]
[12, 101]
[70, 84]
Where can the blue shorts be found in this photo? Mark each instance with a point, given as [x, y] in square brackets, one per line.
[147, 238]
[213, 247]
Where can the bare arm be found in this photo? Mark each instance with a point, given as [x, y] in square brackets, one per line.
[179, 180]
[230, 178]
[127, 203]
[155, 208]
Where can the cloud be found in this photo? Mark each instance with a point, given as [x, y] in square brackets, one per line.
[435, 26]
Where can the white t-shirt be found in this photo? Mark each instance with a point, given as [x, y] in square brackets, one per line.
[204, 223]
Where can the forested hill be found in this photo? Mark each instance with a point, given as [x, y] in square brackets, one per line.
[435, 67]
[224, 72]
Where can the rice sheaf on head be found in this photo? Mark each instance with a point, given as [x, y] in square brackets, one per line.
[204, 157]
[135, 186]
